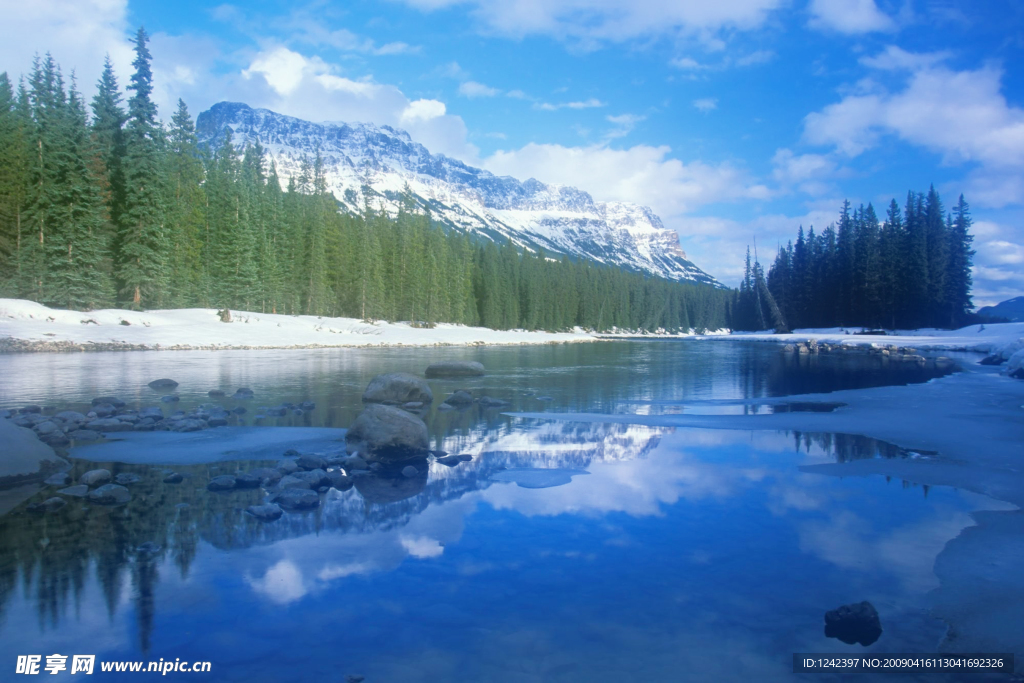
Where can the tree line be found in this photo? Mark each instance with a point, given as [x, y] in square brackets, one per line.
[911, 270]
[117, 209]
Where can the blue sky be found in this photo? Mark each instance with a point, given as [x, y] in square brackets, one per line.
[733, 119]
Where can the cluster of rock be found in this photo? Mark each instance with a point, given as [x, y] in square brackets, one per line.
[463, 398]
[1012, 355]
[96, 486]
[890, 351]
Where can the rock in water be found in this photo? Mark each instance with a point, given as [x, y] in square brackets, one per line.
[224, 482]
[80, 491]
[25, 457]
[298, 499]
[126, 478]
[397, 388]
[48, 505]
[460, 398]
[387, 434]
[110, 494]
[265, 513]
[59, 479]
[163, 384]
[454, 368]
[95, 477]
[173, 478]
[854, 623]
[409, 471]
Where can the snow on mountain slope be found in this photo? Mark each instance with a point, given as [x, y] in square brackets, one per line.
[372, 163]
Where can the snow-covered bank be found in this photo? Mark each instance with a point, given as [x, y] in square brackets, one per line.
[28, 326]
[976, 338]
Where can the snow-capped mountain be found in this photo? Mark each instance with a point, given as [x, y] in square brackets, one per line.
[365, 162]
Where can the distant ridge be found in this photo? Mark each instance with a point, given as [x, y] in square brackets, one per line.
[1012, 309]
[369, 163]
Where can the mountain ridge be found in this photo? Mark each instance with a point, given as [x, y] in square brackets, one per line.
[368, 163]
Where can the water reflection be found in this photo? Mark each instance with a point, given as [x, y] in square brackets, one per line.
[127, 553]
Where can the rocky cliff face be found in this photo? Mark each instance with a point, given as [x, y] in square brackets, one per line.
[368, 163]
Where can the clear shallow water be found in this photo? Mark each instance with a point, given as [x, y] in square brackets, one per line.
[656, 554]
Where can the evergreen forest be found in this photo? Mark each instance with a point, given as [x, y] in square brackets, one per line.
[910, 270]
[102, 205]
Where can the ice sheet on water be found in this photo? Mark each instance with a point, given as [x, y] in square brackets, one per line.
[211, 445]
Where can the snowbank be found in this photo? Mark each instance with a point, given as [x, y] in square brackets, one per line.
[976, 338]
[28, 326]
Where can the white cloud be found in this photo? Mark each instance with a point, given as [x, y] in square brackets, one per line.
[281, 584]
[688, 64]
[591, 23]
[808, 172]
[641, 174]
[422, 547]
[282, 69]
[624, 125]
[961, 115]
[706, 104]
[849, 16]
[288, 82]
[473, 89]
[591, 103]
[755, 58]
[78, 33]
[313, 31]
[894, 58]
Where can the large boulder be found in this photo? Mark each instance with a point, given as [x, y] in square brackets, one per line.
[25, 458]
[1015, 365]
[397, 388]
[387, 434]
[454, 368]
[163, 384]
[297, 499]
[855, 623]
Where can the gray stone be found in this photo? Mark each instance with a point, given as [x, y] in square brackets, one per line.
[173, 478]
[110, 494]
[247, 480]
[244, 393]
[340, 480]
[55, 439]
[397, 388]
[297, 499]
[31, 409]
[217, 422]
[265, 513]
[104, 410]
[189, 425]
[154, 412]
[170, 398]
[288, 467]
[388, 434]
[460, 398]
[488, 402]
[445, 407]
[268, 476]
[59, 479]
[127, 478]
[315, 478]
[311, 462]
[292, 482]
[409, 471]
[450, 460]
[163, 384]
[454, 368]
[239, 410]
[307, 405]
[109, 424]
[79, 491]
[70, 416]
[48, 505]
[215, 393]
[854, 623]
[354, 463]
[95, 478]
[412, 405]
[224, 482]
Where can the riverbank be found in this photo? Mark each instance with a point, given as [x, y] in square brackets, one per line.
[26, 326]
[973, 338]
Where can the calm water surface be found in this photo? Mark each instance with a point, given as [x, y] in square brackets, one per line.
[649, 554]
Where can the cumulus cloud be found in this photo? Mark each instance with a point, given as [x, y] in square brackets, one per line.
[849, 16]
[961, 115]
[79, 33]
[894, 58]
[809, 173]
[291, 83]
[591, 23]
[641, 174]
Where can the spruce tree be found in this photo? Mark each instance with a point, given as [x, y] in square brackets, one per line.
[186, 212]
[961, 258]
[141, 268]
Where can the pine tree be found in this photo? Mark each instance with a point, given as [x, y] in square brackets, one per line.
[108, 133]
[186, 212]
[961, 257]
[141, 260]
